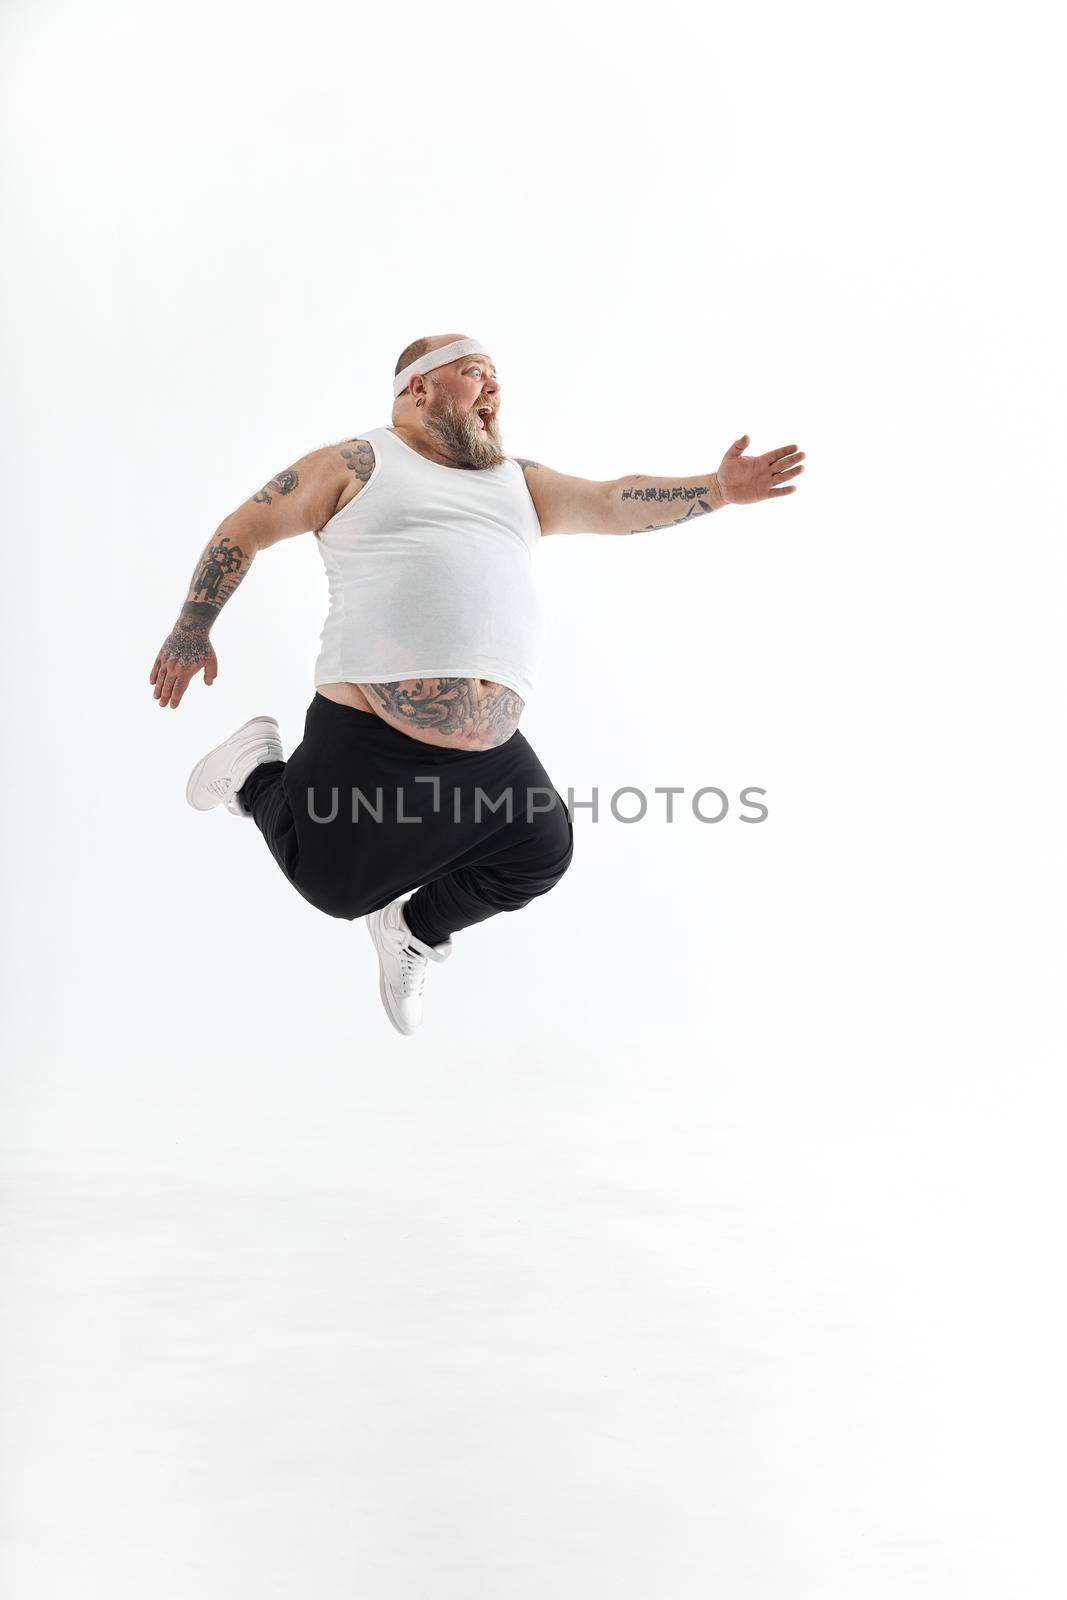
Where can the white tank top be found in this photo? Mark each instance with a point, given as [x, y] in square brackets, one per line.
[431, 575]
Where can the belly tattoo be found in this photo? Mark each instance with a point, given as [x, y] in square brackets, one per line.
[471, 712]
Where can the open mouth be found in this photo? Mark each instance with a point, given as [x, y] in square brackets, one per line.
[482, 418]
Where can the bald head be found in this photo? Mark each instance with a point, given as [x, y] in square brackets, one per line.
[422, 347]
[435, 359]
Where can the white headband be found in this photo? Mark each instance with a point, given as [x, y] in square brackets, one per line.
[436, 358]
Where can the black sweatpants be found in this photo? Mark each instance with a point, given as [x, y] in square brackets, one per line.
[362, 813]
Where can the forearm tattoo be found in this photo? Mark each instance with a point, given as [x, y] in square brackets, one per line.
[659, 492]
[221, 568]
[452, 706]
[284, 483]
[673, 492]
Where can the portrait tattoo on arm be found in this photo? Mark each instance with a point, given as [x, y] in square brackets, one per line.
[284, 483]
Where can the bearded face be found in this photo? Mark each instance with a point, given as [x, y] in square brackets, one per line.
[471, 437]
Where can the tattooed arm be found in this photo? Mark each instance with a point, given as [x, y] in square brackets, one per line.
[638, 504]
[739, 481]
[187, 648]
[627, 505]
[298, 500]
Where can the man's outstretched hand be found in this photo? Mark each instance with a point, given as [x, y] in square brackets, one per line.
[745, 479]
[181, 657]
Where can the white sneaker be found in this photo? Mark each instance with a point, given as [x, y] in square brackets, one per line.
[216, 779]
[403, 960]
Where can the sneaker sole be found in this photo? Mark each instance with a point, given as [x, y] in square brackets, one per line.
[194, 776]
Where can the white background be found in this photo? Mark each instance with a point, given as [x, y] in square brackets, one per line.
[708, 1237]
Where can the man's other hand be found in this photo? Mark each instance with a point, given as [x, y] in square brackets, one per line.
[180, 658]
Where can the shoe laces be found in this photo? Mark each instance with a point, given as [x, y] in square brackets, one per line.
[412, 970]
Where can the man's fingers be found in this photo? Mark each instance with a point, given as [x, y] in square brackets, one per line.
[159, 674]
[171, 678]
[182, 680]
[171, 675]
[780, 477]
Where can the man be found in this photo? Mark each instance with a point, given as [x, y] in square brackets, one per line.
[427, 530]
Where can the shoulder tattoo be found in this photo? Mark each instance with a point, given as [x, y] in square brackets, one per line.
[360, 460]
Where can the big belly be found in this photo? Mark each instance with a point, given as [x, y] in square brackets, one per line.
[461, 713]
